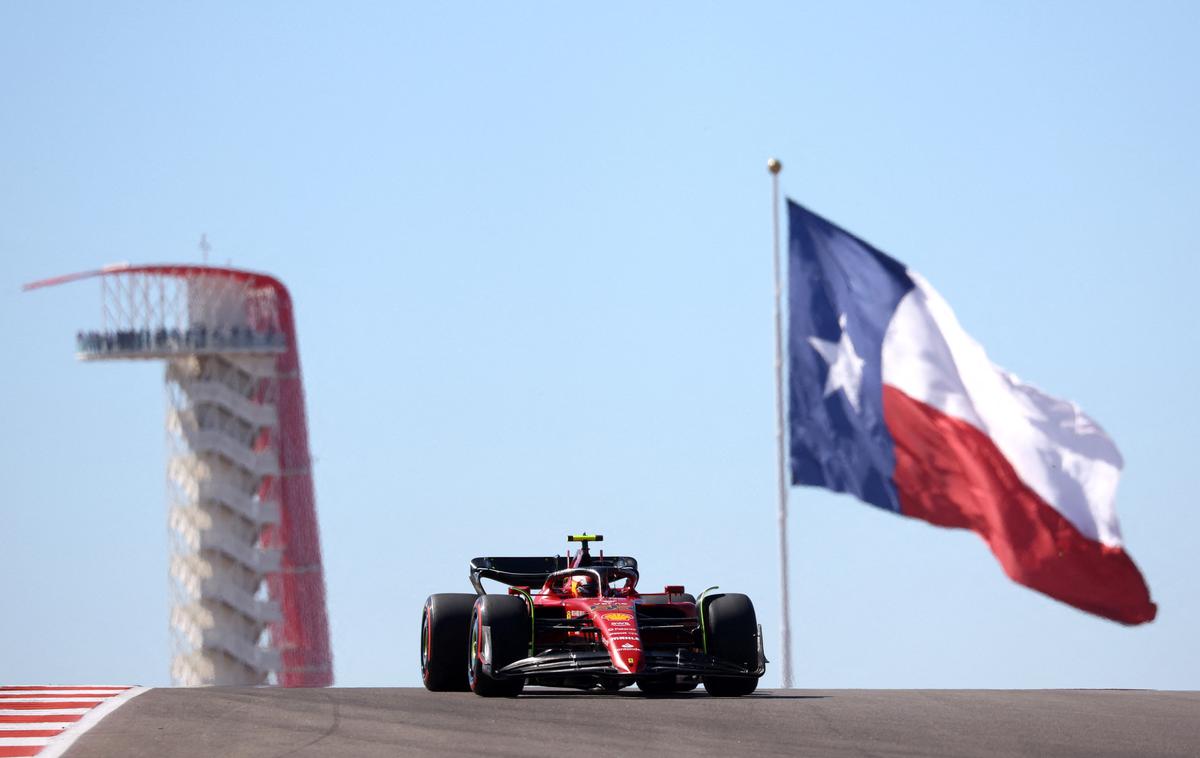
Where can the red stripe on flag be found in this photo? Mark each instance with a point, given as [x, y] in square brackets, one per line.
[35, 718]
[951, 474]
[18, 751]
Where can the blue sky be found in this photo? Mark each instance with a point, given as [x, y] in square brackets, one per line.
[530, 253]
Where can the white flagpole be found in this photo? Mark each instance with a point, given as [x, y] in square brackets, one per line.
[785, 630]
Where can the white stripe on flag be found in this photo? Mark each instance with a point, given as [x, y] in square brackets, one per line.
[1053, 447]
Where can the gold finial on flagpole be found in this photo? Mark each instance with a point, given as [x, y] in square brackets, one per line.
[774, 166]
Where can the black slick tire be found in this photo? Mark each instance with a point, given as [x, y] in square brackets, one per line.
[507, 619]
[732, 630]
[445, 630]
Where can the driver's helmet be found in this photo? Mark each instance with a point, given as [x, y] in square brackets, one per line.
[581, 586]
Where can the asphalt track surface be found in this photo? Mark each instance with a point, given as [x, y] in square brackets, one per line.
[272, 723]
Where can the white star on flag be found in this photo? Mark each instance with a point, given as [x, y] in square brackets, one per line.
[845, 367]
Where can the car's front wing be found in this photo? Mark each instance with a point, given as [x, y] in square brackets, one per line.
[654, 662]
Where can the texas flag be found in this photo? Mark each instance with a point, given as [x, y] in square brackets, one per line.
[893, 402]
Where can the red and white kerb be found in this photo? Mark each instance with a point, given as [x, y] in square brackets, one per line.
[46, 720]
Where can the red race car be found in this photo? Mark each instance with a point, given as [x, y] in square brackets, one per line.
[580, 622]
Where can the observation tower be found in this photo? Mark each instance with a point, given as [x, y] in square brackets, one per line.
[247, 587]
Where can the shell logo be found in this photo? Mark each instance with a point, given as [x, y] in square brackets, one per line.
[618, 617]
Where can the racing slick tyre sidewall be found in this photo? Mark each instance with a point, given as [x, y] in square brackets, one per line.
[732, 629]
[445, 630]
[508, 619]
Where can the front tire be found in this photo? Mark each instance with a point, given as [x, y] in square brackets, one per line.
[445, 629]
[732, 630]
[507, 618]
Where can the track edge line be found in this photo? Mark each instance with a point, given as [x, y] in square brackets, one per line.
[64, 741]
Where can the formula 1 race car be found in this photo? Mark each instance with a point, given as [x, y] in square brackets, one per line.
[580, 622]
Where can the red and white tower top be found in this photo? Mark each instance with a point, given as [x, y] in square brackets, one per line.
[249, 592]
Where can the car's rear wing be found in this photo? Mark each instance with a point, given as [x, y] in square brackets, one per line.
[534, 571]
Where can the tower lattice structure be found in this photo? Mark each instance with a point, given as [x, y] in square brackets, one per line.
[246, 579]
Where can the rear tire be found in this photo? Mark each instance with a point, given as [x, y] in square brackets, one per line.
[732, 630]
[508, 619]
[445, 629]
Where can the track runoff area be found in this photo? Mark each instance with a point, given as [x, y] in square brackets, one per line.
[86, 722]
